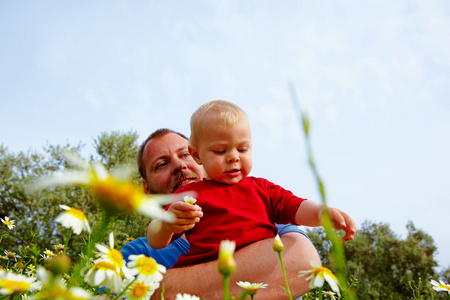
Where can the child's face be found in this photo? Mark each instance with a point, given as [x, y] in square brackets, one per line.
[225, 151]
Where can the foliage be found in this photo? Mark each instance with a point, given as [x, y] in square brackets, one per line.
[34, 214]
[386, 266]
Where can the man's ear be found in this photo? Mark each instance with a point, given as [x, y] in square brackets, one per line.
[194, 153]
[145, 186]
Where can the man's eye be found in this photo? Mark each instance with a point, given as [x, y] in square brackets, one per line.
[186, 154]
[161, 165]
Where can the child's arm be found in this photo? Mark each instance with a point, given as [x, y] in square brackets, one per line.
[159, 232]
[309, 213]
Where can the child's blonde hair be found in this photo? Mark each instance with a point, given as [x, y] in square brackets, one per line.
[226, 112]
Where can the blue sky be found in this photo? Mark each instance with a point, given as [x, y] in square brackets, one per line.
[372, 75]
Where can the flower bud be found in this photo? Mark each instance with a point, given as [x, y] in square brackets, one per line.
[278, 244]
[226, 263]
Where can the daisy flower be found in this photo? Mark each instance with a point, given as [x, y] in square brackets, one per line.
[114, 194]
[109, 269]
[112, 255]
[146, 267]
[226, 263]
[12, 255]
[58, 248]
[440, 286]
[11, 283]
[73, 218]
[141, 290]
[31, 270]
[189, 199]
[186, 297]
[318, 275]
[8, 222]
[330, 295]
[48, 253]
[104, 273]
[251, 288]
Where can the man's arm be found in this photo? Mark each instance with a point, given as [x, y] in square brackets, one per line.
[256, 263]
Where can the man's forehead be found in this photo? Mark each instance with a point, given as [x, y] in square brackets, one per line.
[165, 145]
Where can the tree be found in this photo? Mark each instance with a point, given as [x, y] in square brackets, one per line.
[34, 213]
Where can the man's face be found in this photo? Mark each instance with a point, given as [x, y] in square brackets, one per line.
[168, 164]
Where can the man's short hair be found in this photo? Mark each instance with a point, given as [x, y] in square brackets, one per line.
[227, 112]
[157, 134]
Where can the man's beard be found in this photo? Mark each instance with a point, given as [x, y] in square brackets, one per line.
[181, 179]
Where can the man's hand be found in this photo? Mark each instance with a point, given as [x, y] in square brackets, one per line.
[187, 215]
[342, 221]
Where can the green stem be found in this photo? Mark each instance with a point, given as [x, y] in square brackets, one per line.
[98, 234]
[338, 247]
[1, 237]
[68, 236]
[125, 289]
[284, 275]
[226, 287]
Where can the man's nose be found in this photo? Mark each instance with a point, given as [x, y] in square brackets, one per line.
[179, 166]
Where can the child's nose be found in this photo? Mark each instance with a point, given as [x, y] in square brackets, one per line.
[233, 158]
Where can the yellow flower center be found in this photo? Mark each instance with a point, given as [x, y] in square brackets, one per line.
[117, 195]
[116, 257]
[140, 290]
[321, 271]
[76, 213]
[8, 223]
[104, 265]
[442, 286]
[11, 255]
[146, 265]
[14, 286]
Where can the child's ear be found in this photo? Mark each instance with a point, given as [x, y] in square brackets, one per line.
[194, 153]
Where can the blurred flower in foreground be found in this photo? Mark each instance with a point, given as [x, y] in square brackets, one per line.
[73, 218]
[141, 290]
[440, 286]
[109, 269]
[278, 244]
[251, 288]
[8, 222]
[145, 267]
[55, 288]
[113, 194]
[186, 297]
[318, 275]
[226, 263]
[11, 283]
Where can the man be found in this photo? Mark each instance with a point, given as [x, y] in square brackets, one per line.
[165, 164]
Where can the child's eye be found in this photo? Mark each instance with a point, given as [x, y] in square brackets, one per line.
[243, 149]
[219, 151]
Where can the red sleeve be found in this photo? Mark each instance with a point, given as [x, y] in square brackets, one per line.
[284, 203]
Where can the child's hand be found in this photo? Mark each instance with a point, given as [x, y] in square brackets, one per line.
[342, 221]
[187, 215]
